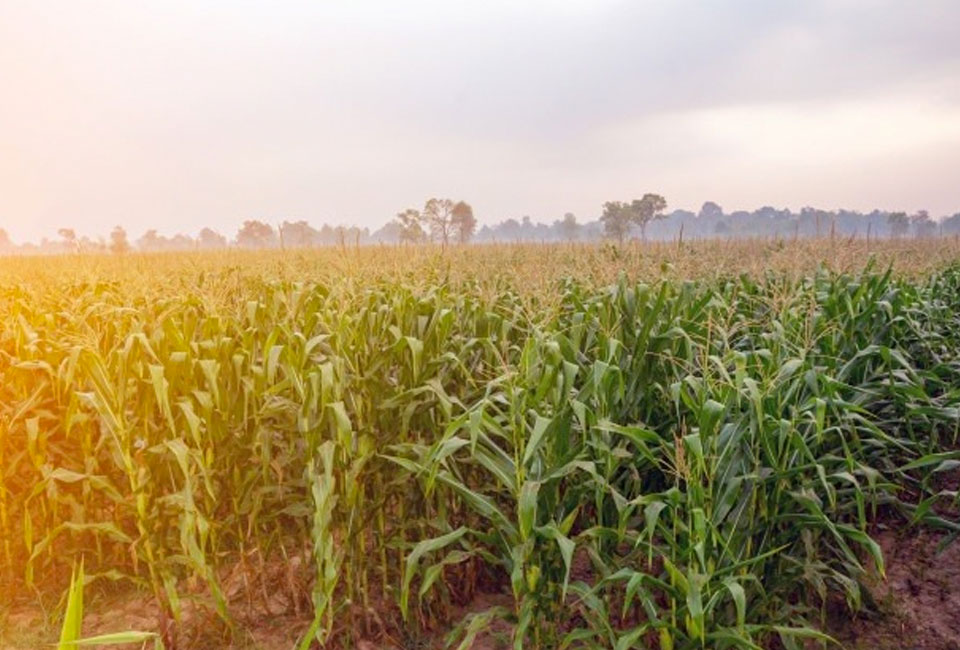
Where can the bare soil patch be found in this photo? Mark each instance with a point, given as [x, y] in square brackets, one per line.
[917, 607]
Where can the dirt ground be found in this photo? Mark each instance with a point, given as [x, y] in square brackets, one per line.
[917, 608]
[919, 602]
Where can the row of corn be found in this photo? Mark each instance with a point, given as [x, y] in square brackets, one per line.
[667, 465]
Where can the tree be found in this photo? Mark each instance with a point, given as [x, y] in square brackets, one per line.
[616, 219]
[649, 208]
[358, 235]
[568, 226]
[180, 242]
[950, 225]
[69, 237]
[255, 234]
[710, 210]
[410, 228]
[151, 241]
[298, 234]
[617, 216]
[5, 243]
[464, 223]
[211, 240]
[527, 228]
[438, 214]
[327, 235]
[899, 223]
[97, 245]
[923, 225]
[118, 241]
[510, 229]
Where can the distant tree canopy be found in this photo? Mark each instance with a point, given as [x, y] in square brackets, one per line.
[616, 219]
[297, 234]
[646, 210]
[69, 237]
[447, 221]
[209, 239]
[151, 241]
[118, 240]
[568, 226]
[710, 210]
[438, 214]
[619, 217]
[255, 234]
[410, 226]
[464, 222]
[443, 218]
[923, 225]
[899, 223]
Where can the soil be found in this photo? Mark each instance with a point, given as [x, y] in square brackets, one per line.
[917, 607]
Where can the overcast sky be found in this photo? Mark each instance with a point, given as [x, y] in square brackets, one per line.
[177, 115]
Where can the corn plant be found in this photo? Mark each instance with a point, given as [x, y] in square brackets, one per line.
[664, 463]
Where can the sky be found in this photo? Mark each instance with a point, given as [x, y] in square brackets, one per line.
[176, 115]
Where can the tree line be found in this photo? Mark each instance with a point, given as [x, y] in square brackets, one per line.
[446, 221]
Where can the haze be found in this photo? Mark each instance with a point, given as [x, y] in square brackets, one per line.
[179, 115]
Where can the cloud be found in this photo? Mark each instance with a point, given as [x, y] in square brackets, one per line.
[176, 114]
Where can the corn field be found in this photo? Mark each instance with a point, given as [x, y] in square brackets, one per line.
[650, 459]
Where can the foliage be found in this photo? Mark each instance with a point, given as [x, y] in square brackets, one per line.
[616, 219]
[899, 223]
[464, 222]
[709, 222]
[411, 228]
[647, 209]
[568, 226]
[658, 463]
[438, 215]
[619, 217]
[70, 630]
[118, 241]
[255, 234]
